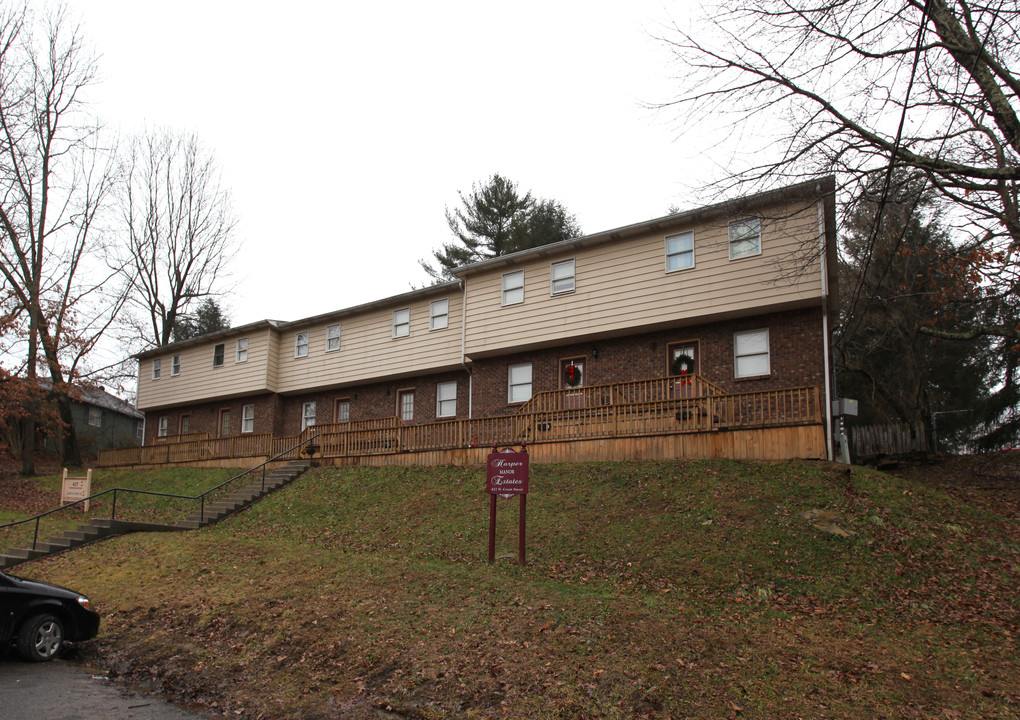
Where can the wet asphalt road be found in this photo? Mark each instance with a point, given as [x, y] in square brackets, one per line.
[61, 691]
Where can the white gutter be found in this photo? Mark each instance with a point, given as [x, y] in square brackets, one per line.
[829, 452]
[463, 345]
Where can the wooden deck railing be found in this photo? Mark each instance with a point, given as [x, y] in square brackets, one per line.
[662, 406]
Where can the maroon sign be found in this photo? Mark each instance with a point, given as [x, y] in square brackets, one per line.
[506, 473]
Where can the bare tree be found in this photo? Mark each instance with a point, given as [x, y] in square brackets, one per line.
[54, 180]
[926, 87]
[180, 227]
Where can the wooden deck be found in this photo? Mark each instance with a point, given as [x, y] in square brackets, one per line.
[662, 418]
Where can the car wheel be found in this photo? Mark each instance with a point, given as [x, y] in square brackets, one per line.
[41, 638]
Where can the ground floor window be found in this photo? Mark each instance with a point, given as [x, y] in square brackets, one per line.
[342, 410]
[519, 382]
[446, 399]
[161, 429]
[751, 353]
[248, 419]
[184, 424]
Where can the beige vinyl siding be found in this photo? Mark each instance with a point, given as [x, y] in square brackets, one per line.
[368, 351]
[623, 286]
[200, 381]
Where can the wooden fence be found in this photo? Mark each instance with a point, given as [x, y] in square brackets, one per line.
[645, 408]
[895, 439]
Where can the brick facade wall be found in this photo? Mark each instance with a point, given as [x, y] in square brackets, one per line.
[796, 355]
[205, 418]
[795, 347]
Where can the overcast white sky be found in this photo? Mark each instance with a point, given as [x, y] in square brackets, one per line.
[343, 129]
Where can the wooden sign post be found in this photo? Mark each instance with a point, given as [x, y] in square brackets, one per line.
[74, 489]
[506, 475]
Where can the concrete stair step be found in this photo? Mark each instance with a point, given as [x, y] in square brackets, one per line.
[24, 553]
[87, 534]
[60, 542]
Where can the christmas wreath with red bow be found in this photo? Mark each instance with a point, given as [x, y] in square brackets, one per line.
[682, 365]
[572, 375]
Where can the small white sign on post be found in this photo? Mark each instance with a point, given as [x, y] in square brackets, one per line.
[74, 489]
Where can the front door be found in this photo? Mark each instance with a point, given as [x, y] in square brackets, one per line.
[572, 377]
[225, 423]
[682, 361]
[405, 405]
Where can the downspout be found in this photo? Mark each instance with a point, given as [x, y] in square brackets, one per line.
[463, 345]
[829, 453]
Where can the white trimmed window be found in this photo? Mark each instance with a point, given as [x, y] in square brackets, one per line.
[95, 416]
[307, 415]
[439, 314]
[745, 238]
[402, 323]
[161, 428]
[561, 277]
[248, 419]
[301, 344]
[751, 353]
[680, 251]
[241, 355]
[513, 287]
[217, 355]
[332, 338]
[519, 383]
[157, 368]
[446, 399]
[175, 365]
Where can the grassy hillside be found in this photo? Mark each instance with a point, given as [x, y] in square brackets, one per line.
[659, 590]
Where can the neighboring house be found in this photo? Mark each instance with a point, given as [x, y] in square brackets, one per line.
[102, 422]
[744, 289]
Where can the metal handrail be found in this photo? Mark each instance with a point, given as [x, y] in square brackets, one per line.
[113, 507]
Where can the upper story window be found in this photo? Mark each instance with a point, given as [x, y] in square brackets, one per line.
[157, 368]
[439, 314]
[751, 353]
[301, 344]
[242, 351]
[680, 251]
[332, 338]
[446, 399]
[175, 365]
[217, 355]
[561, 277]
[519, 383]
[95, 416]
[402, 323]
[513, 287]
[745, 238]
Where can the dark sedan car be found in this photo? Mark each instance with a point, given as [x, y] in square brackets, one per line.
[38, 618]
